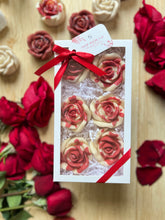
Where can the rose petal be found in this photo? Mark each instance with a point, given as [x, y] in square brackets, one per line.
[157, 83]
[150, 152]
[162, 159]
[148, 175]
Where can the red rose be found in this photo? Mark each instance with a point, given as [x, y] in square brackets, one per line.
[13, 165]
[81, 22]
[10, 113]
[40, 45]
[59, 203]
[147, 20]
[44, 185]
[42, 159]
[25, 139]
[155, 52]
[157, 83]
[38, 102]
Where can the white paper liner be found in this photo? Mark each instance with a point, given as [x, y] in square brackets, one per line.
[89, 90]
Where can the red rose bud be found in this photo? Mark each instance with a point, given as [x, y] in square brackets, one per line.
[38, 102]
[80, 22]
[157, 83]
[10, 113]
[13, 165]
[59, 203]
[148, 175]
[44, 185]
[40, 45]
[25, 139]
[42, 160]
[147, 20]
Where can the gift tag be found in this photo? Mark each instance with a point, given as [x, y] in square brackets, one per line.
[94, 41]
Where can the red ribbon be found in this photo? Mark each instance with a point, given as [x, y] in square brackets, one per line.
[64, 56]
[115, 167]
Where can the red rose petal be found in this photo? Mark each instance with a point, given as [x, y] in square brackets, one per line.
[148, 175]
[162, 159]
[150, 152]
[157, 83]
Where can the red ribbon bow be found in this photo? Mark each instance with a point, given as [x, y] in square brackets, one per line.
[64, 56]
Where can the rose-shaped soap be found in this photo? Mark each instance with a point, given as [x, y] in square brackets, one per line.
[75, 72]
[74, 114]
[75, 155]
[105, 10]
[107, 111]
[80, 22]
[40, 45]
[3, 22]
[114, 66]
[8, 61]
[107, 147]
[52, 12]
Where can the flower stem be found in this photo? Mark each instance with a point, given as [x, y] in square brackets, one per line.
[14, 193]
[16, 207]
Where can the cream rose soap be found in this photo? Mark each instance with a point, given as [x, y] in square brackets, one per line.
[93, 113]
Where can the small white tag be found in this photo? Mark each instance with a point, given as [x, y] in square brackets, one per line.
[93, 41]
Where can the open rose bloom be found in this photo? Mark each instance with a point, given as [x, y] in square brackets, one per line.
[92, 116]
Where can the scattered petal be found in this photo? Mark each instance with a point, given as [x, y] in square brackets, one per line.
[148, 175]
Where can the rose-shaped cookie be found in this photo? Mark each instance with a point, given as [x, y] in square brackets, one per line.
[52, 12]
[107, 111]
[74, 114]
[40, 45]
[75, 155]
[114, 66]
[105, 10]
[8, 61]
[75, 72]
[107, 147]
[80, 22]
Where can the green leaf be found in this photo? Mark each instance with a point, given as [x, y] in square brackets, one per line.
[2, 182]
[1, 201]
[14, 200]
[40, 202]
[2, 174]
[6, 215]
[22, 215]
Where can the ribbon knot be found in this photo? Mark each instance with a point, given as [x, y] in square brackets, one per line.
[64, 56]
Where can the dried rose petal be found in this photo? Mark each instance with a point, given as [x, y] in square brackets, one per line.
[150, 152]
[157, 83]
[148, 175]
